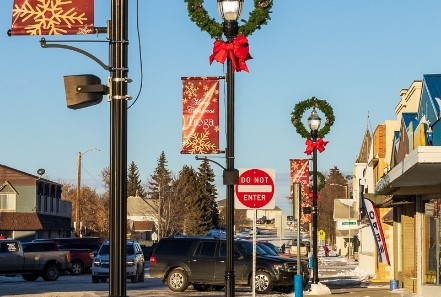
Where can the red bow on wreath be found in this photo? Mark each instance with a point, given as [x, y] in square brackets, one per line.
[319, 145]
[238, 51]
[310, 196]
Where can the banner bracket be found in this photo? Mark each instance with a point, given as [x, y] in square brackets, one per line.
[44, 44]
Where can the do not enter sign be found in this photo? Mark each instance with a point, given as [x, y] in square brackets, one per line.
[255, 189]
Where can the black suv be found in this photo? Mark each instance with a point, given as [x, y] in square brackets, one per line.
[200, 261]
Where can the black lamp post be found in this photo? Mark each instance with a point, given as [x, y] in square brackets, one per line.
[118, 146]
[230, 11]
[314, 122]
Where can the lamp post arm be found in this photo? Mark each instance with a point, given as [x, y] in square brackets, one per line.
[43, 44]
[205, 158]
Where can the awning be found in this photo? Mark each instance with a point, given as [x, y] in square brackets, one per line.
[418, 174]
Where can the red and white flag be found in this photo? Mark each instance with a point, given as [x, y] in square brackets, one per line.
[377, 231]
[52, 17]
[200, 115]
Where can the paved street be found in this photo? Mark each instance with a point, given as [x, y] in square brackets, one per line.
[333, 274]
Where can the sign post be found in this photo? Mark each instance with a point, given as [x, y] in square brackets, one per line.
[255, 190]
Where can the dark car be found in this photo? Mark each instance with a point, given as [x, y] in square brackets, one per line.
[147, 251]
[200, 261]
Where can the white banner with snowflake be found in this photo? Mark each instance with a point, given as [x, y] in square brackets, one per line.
[52, 17]
[200, 115]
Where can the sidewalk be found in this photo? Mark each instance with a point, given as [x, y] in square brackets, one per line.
[376, 290]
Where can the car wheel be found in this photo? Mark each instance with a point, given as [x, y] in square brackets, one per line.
[95, 279]
[77, 268]
[51, 273]
[30, 277]
[177, 280]
[202, 287]
[264, 284]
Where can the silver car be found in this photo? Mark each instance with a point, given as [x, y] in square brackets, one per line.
[134, 266]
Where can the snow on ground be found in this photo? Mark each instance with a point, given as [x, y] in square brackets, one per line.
[337, 272]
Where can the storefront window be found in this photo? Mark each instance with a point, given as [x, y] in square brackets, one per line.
[432, 242]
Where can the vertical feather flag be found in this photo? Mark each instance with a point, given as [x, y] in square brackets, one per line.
[200, 115]
[299, 171]
[377, 231]
[52, 17]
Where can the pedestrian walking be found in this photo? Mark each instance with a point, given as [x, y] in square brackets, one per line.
[326, 249]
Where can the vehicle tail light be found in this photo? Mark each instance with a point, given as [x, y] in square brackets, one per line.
[152, 260]
[68, 257]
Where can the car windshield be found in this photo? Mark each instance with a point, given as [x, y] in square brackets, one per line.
[105, 249]
[267, 249]
[246, 248]
[274, 248]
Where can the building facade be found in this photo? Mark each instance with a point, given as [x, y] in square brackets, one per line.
[31, 207]
[406, 189]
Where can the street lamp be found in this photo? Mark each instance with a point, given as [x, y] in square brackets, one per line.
[230, 11]
[78, 202]
[314, 122]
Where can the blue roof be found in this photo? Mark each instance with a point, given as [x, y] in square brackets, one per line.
[433, 87]
[410, 117]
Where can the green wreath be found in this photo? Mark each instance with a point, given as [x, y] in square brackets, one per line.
[258, 17]
[320, 181]
[302, 106]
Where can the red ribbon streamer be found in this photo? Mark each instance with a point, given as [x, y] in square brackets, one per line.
[319, 145]
[238, 51]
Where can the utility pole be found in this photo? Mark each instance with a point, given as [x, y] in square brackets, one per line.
[78, 202]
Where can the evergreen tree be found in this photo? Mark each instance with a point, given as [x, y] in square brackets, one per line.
[186, 197]
[134, 187]
[159, 187]
[207, 193]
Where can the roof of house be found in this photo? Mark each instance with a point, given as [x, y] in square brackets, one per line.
[17, 221]
[141, 206]
[143, 226]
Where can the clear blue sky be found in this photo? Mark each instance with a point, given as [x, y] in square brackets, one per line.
[357, 55]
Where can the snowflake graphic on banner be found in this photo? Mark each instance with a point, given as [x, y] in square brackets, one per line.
[199, 143]
[52, 17]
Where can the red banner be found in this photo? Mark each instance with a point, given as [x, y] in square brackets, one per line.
[299, 171]
[200, 115]
[52, 17]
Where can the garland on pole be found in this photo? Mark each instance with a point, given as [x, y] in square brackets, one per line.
[258, 17]
[302, 106]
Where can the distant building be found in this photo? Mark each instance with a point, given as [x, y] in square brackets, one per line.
[31, 207]
[142, 218]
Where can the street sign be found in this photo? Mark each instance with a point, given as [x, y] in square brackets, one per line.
[321, 234]
[255, 189]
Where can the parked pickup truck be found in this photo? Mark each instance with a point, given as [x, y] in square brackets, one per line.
[80, 259]
[31, 264]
